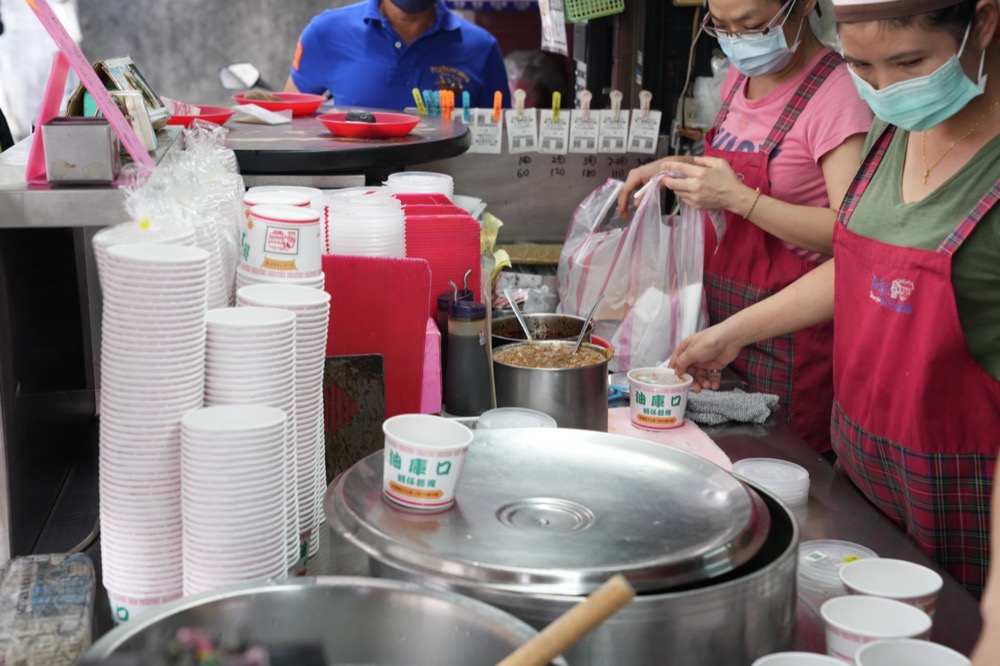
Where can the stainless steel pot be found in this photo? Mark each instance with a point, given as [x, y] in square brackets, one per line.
[574, 397]
[730, 615]
[357, 621]
[543, 326]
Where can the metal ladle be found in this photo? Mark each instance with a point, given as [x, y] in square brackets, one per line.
[586, 323]
[517, 313]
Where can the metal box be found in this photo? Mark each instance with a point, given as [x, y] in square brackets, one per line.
[80, 150]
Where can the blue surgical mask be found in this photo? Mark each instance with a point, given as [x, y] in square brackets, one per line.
[758, 55]
[919, 104]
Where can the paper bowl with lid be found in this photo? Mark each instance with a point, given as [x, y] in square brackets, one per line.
[658, 398]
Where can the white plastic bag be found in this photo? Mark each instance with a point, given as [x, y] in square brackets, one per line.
[650, 272]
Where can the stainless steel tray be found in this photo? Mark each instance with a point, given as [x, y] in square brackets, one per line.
[560, 511]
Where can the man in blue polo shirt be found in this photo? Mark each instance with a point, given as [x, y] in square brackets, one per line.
[374, 53]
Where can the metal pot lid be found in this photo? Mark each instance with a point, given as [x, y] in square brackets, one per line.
[559, 511]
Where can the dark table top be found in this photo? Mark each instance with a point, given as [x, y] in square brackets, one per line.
[305, 146]
[837, 510]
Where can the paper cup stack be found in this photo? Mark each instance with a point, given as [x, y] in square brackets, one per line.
[153, 369]
[312, 319]
[250, 360]
[235, 517]
[421, 182]
[274, 195]
[364, 222]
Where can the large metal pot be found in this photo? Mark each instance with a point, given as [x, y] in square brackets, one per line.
[732, 617]
[574, 397]
[356, 620]
[543, 326]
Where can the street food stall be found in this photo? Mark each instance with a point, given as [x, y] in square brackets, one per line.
[281, 428]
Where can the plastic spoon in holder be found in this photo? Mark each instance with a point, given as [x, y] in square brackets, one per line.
[586, 323]
[517, 313]
[573, 625]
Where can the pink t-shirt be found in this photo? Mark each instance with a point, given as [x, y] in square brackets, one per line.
[834, 113]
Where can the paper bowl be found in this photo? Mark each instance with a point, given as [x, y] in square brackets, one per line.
[658, 398]
[901, 580]
[853, 621]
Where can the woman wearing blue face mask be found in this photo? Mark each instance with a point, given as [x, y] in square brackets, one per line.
[916, 290]
[777, 162]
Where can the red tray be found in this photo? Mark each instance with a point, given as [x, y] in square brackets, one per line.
[301, 104]
[213, 114]
[386, 125]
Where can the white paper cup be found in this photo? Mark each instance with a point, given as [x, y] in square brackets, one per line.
[658, 398]
[901, 580]
[125, 609]
[853, 621]
[284, 238]
[908, 652]
[797, 659]
[423, 460]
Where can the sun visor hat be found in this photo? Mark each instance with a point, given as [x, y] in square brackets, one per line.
[414, 6]
[849, 11]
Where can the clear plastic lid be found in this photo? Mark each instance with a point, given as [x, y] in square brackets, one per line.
[773, 473]
[514, 417]
[820, 561]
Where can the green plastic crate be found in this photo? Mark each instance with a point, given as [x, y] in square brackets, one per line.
[581, 10]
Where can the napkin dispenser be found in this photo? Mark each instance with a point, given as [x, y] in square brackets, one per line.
[80, 151]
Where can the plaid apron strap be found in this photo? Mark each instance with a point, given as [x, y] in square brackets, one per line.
[968, 224]
[724, 111]
[799, 100]
[865, 174]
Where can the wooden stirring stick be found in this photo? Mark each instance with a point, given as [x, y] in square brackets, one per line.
[573, 625]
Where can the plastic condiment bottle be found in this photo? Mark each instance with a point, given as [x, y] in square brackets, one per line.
[467, 372]
[444, 302]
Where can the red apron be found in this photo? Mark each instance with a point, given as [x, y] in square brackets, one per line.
[916, 420]
[751, 265]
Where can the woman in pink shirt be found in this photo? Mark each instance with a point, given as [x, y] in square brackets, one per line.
[778, 160]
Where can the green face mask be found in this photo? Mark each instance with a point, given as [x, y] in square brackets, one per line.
[921, 103]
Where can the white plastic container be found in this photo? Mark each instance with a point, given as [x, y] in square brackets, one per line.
[785, 479]
[819, 567]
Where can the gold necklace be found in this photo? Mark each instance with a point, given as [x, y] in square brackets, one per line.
[923, 141]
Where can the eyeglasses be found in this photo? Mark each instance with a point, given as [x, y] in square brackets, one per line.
[713, 31]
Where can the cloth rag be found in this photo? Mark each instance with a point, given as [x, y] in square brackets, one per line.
[715, 407]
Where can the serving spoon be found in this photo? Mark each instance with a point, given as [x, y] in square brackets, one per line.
[586, 323]
[517, 313]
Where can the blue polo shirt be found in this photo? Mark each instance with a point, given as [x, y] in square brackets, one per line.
[354, 53]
